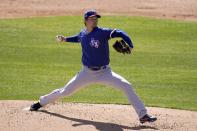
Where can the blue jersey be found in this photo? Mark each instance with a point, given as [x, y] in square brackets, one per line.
[95, 47]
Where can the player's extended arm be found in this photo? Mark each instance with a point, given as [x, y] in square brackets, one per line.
[61, 38]
[123, 35]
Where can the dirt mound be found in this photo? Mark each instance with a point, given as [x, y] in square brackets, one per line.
[173, 9]
[89, 117]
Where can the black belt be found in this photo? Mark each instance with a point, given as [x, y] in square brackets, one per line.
[96, 68]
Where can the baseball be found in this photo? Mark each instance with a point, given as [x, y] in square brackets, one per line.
[59, 38]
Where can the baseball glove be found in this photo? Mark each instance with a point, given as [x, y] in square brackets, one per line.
[121, 47]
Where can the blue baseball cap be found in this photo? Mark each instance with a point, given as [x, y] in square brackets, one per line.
[91, 13]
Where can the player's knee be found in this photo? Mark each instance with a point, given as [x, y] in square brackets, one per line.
[57, 92]
[127, 87]
[66, 92]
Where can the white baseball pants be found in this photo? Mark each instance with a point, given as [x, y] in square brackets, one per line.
[104, 76]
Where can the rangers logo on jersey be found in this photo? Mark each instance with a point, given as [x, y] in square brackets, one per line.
[94, 43]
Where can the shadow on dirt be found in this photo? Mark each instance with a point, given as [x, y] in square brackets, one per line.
[100, 126]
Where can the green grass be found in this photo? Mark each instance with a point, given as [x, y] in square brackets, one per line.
[162, 69]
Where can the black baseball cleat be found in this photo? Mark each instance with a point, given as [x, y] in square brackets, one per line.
[35, 106]
[147, 118]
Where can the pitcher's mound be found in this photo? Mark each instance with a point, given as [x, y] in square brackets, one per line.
[15, 116]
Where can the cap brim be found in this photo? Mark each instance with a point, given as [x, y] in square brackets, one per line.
[98, 16]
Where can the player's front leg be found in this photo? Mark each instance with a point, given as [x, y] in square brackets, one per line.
[82, 79]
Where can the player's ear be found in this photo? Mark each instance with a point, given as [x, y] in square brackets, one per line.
[84, 23]
[85, 20]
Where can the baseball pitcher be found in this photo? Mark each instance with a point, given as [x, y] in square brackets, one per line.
[96, 69]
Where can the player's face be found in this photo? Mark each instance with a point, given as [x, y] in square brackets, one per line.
[92, 21]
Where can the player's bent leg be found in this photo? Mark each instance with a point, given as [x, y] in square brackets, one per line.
[112, 79]
[115, 80]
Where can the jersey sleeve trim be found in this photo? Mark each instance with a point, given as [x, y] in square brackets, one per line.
[112, 33]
